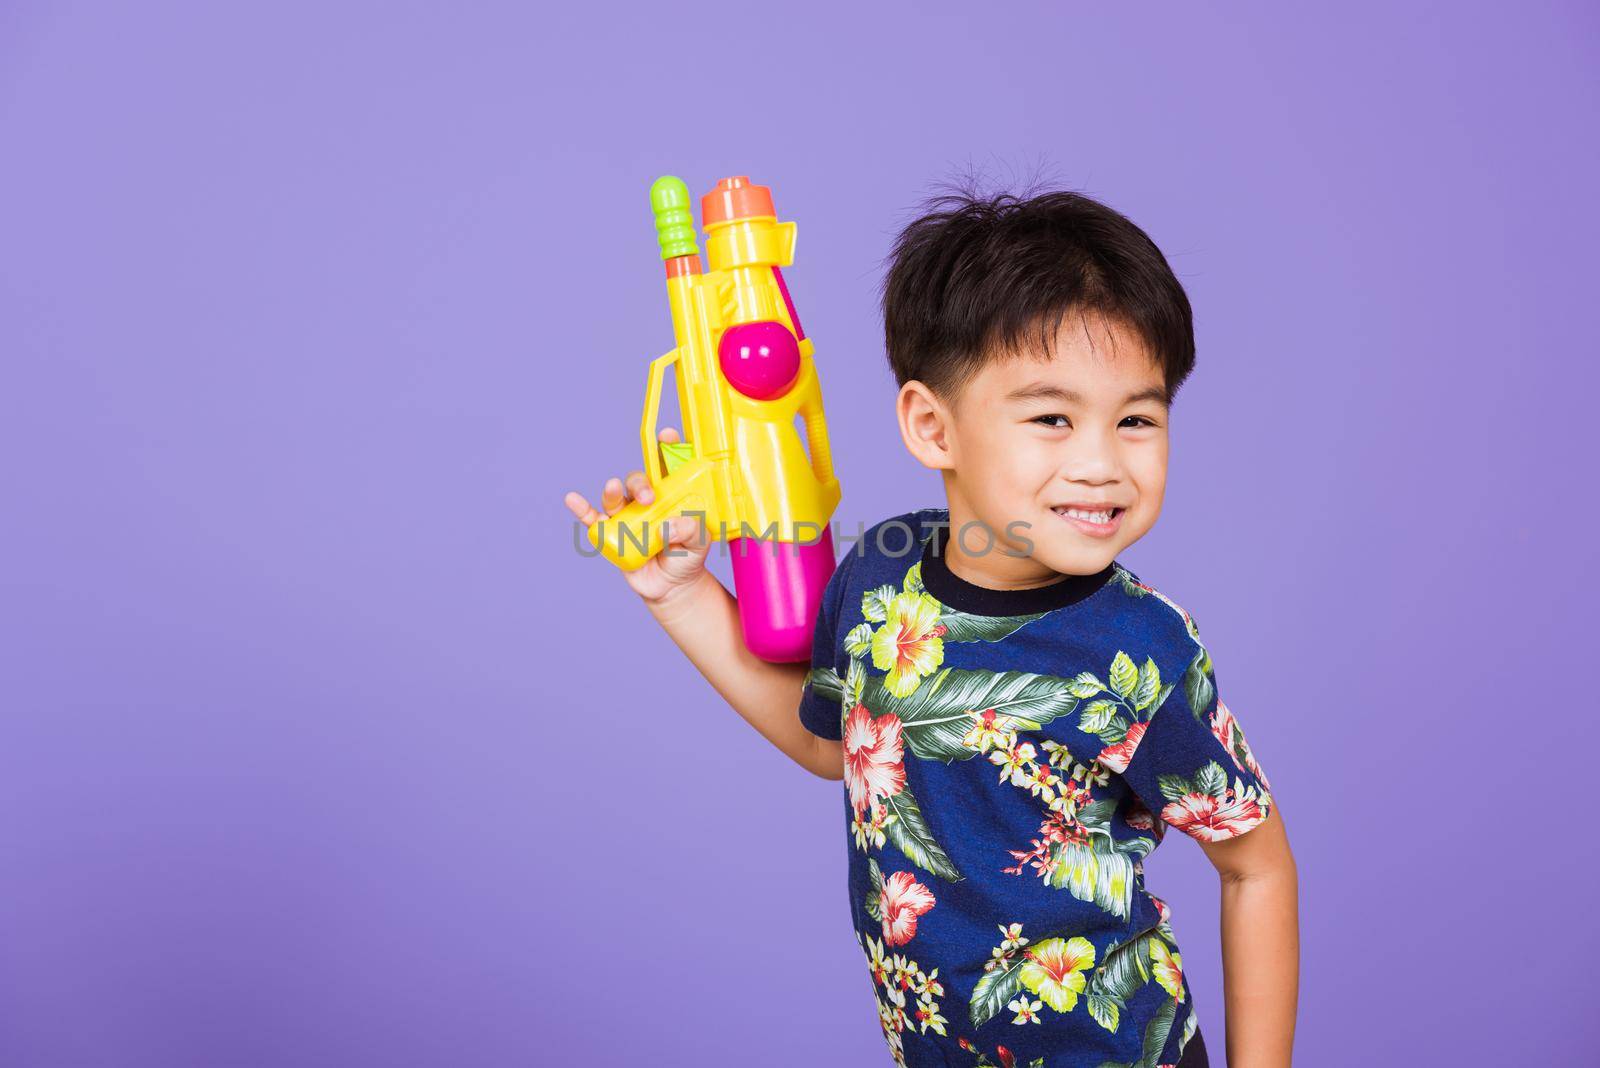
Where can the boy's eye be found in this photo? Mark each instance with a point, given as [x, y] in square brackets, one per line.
[1137, 420]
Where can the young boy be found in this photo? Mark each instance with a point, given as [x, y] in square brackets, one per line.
[1016, 716]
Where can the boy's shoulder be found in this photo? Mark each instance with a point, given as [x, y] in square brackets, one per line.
[1169, 614]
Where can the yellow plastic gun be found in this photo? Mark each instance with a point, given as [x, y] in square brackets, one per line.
[744, 372]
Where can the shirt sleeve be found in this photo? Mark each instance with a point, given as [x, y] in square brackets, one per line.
[821, 697]
[1193, 767]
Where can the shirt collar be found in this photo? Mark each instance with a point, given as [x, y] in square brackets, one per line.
[951, 589]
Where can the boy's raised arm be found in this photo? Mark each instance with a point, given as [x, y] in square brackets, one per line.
[702, 617]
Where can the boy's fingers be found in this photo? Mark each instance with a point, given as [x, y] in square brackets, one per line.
[581, 508]
[612, 497]
[686, 529]
[667, 434]
[639, 487]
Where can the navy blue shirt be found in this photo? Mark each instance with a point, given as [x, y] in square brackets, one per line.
[1010, 757]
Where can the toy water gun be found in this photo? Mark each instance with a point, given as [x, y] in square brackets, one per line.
[744, 371]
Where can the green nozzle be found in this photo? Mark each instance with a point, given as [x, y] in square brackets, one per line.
[669, 199]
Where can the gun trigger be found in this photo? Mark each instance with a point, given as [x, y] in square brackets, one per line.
[674, 454]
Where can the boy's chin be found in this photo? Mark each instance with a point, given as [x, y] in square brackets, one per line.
[1076, 563]
[1066, 553]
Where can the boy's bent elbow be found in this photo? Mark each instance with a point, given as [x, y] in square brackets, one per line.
[827, 758]
[1257, 854]
[1272, 869]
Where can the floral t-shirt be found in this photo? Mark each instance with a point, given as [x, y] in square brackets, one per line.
[1010, 757]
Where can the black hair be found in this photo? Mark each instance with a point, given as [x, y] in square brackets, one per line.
[974, 275]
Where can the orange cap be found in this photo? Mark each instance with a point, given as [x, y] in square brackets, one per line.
[735, 198]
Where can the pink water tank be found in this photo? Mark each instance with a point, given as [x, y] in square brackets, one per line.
[779, 585]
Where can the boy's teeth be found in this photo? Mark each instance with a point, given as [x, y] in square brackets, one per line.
[1091, 517]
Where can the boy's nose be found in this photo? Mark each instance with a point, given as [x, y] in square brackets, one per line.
[1095, 467]
[1091, 459]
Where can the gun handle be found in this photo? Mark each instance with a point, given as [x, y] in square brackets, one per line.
[635, 534]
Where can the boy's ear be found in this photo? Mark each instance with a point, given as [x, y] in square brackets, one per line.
[925, 426]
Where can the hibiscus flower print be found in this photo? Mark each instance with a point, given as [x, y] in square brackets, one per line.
[1054, 970]
[1168, 968]
[910, 643]
[1214, 819]
[900, 902]
[1207, 808]
[874, 757]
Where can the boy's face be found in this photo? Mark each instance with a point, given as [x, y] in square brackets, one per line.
[1026, 439]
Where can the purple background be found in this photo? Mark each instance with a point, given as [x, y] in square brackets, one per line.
[320, 747]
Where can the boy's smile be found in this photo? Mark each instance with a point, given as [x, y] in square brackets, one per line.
[1064, 460]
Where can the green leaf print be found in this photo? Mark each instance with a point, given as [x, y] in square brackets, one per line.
[875, 603]
[859, 641]
[1114, 732]
[1211, 780]
[826, 683]
[873, 902]
[1106, 1011]
[1085, 684]
[1155, 1034]
[855, 680]
[1124, 676]
[1098, 716]
[1113, 885]
[1174, 786]
[1096, 872]
[1123, 971]
[1199, 685]
[1125, 968]
[1144, 693]
[1137, 848]
[936, 717]
[910, 834]
[994, 989]
[964, 627]
[1133, 690]
[1096, 816]
[913, 579]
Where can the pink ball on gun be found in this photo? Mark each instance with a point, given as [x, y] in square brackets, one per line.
[760, 360]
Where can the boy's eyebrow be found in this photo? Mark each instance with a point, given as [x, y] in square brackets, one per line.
[1046, 391]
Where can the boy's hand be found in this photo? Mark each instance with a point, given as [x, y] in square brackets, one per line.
[665, 574]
